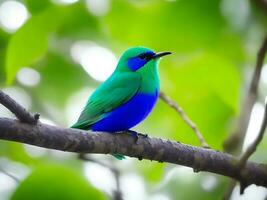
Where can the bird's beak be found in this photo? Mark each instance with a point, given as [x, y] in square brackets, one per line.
[161, 54]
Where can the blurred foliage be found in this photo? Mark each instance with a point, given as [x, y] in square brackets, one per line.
[204, 187]
[56, 68]
[55, 182]
[37, 29]
[206, 75]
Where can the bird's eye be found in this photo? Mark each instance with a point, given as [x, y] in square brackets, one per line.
[144, 56]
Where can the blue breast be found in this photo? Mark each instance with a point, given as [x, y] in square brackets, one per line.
[127, 115]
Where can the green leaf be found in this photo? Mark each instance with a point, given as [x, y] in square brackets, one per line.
[37, 6]
[80, 24]
[15, 151]
[29, 43]
[146, 167]
[180, 26]
[210, 72]
[3, 44]
[54, 182]
[59, 76]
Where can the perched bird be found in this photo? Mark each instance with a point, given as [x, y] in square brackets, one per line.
[126, 97]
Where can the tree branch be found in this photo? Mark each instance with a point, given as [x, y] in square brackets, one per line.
[252, 148]
[186, 119]
[235, 141]
[261, 4]
[10, 175]
[73, 140]
[18, 110]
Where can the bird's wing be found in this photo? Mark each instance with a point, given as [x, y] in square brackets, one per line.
[111, 94]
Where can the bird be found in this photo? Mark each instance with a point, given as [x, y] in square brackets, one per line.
[127, 97]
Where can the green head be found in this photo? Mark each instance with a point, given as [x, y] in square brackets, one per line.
[138, 59]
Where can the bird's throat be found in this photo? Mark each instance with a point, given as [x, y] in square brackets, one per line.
[150, 78]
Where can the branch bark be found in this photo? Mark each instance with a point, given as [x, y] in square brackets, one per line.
[18, 110]
[73, 140]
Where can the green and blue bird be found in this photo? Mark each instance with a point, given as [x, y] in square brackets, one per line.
[127, 97]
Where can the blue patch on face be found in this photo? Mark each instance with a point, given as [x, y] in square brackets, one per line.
[139, 61]
[135, 63]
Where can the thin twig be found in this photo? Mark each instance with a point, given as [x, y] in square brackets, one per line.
[261, 4]
[235, 141]
[252, 148]
[18, 110]
[9, 175]
[186, 119]
[117, 195]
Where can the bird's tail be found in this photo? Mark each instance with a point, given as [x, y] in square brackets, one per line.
[82, 126]
[119, 157]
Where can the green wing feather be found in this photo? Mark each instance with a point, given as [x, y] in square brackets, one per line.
[118, 89]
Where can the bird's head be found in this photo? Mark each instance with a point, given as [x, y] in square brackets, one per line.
[136, 58]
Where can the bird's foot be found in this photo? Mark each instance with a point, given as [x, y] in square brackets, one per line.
[136, 135]
[143, 135]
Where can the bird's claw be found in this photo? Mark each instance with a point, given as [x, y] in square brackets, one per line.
[136, 135]
[143, 135]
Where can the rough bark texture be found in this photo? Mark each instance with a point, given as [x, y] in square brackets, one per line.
[18, 110]
[72, 140]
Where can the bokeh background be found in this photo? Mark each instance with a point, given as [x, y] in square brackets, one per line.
[54, 53]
